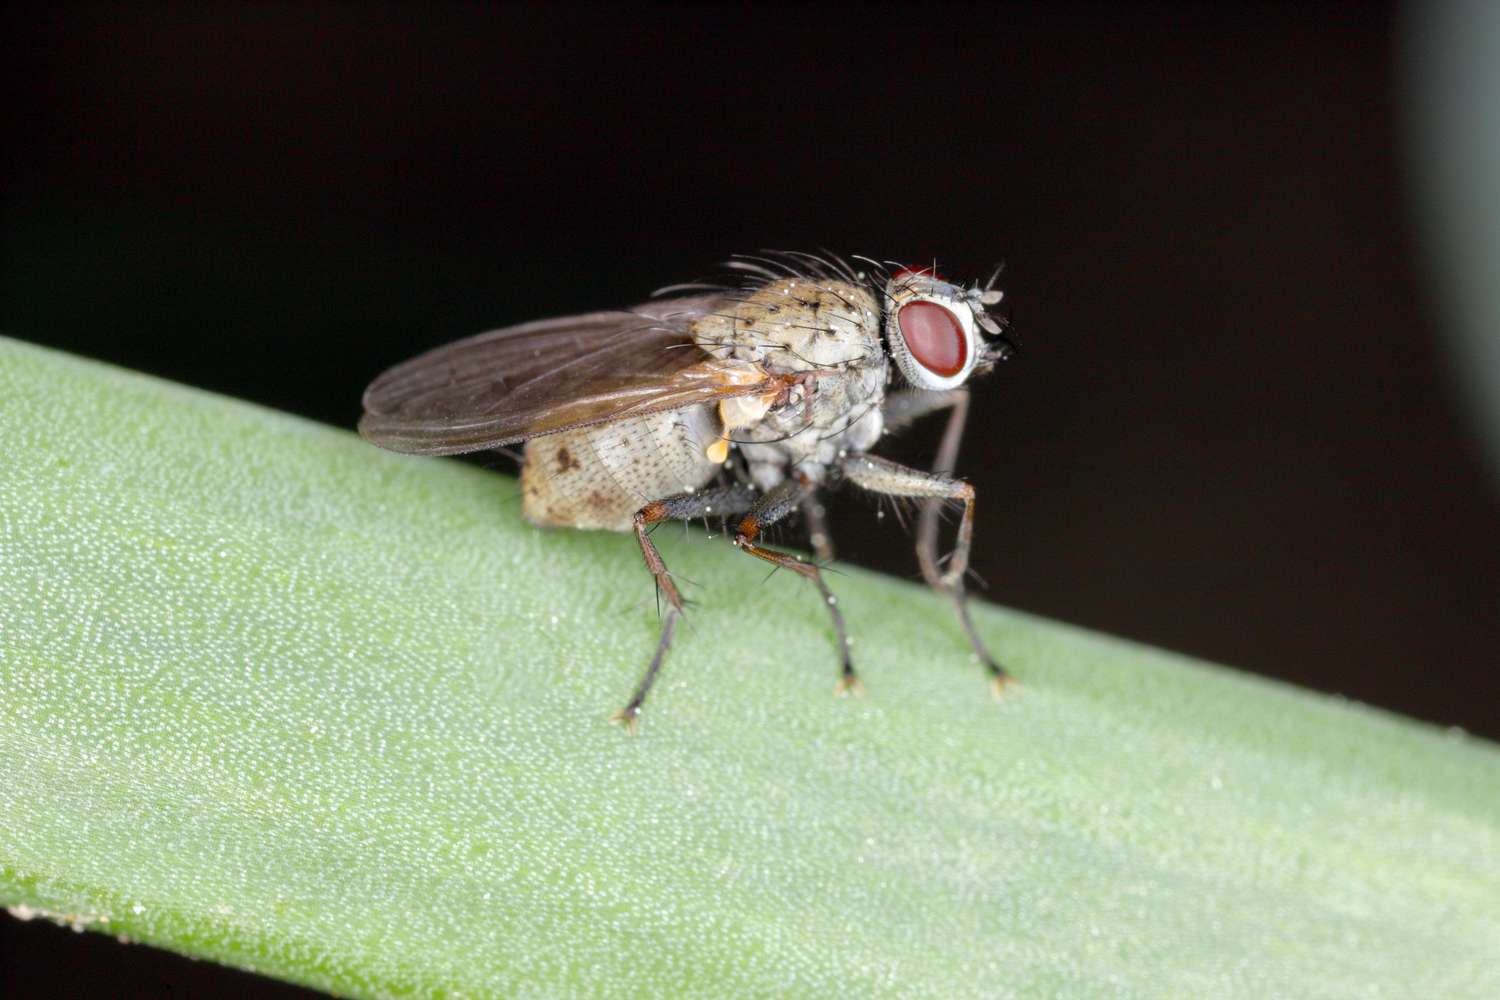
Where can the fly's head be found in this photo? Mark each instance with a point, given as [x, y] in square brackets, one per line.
[939, 333]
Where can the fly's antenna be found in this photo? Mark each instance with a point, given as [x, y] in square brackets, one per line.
[1004, 343]
[980, 297]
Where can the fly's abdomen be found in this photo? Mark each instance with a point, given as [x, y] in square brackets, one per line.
[598, 477]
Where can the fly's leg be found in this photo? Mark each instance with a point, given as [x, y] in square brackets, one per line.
[927, 542]
[769, 509]
[885, 477]
[683, 507]
[816, 519]
[928, 522]
[906, 406]
[903, 408]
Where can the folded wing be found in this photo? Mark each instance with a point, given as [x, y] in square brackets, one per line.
[523, 381]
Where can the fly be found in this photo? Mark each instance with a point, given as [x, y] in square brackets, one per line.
[738, 400]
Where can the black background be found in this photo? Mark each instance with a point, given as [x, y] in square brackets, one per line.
[1228, 433]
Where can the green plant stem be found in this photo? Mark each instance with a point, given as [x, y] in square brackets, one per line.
[273, 697]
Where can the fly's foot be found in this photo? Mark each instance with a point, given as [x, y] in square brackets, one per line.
[629, 717]
[849, 685]
[1000, 683]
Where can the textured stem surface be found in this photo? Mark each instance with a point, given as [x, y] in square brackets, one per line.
[271, 696]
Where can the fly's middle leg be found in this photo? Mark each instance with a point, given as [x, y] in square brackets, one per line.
[770, 508]
[682, 507]
[878, 475]
[816, 519]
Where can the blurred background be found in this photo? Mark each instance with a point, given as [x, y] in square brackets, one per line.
[1247, 422]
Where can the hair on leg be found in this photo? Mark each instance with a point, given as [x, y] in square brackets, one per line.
[879, 475]
[735, 499]
[769, 509]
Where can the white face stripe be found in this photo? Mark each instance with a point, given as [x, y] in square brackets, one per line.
[906, 288]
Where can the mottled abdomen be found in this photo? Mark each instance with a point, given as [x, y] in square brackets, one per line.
[598, 477]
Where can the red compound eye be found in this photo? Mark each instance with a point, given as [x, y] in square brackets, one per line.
[935, 338]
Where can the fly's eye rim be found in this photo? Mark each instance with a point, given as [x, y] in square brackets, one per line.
[918, 374]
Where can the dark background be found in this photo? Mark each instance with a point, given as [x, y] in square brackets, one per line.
[1229, 431]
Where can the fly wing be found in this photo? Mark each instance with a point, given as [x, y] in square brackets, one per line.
[523, 381]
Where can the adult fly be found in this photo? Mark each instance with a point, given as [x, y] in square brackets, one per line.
[740, 400]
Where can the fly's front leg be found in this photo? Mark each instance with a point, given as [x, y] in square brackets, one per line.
[928, 522]
[683, 507]
[769, 509]
[904, 408]
[879, 475]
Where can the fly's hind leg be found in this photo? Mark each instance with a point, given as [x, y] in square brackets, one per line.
[734, 499]
[885, 477]
[770, 508]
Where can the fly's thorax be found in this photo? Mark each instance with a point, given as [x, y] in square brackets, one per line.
[811, 433]
[797, 324]
[829, 329]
